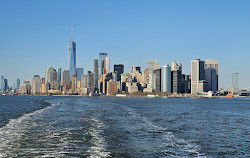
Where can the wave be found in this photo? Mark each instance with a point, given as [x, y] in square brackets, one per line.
[98, 148]
[173, 146]
[11, 133]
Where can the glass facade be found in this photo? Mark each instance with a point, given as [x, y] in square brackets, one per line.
[72, 58]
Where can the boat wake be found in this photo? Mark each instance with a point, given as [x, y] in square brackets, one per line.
[173, 146]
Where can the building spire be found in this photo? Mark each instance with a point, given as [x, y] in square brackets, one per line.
[72, 33]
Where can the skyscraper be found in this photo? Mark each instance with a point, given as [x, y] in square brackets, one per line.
[72, 58]
[79, 73]
[176, 66]
[119, 69]
[59, 75]
[157, 75]
[18, 83]
[102, 57]
[152, 65]
[96, 76]
[106, 64]
[211, 77]
[176, 81]
[2, 82]
[65, 80]
[197, 75]
[36, 85]
[166, 78]
[214, 64]
[235, 82]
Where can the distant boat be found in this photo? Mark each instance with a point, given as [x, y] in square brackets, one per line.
[4, 94]
[151, 96]
[121, 95]
[230, 95]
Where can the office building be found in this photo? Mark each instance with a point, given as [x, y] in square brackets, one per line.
[59, 75]
[2, 82]
[36, 85]
[152, 65]
[213, 64]
[18, 82]
[166, 78]
[72, 58]
[74, 83]
[176, 77]
[235, 82]
[96, 76]
[211, 77]
[176, 66]
[102, 57]
[119, 69]
[25, 88]
[106, 64]
[65, 80]
[157, 75]
[197, 75]
[79, 73]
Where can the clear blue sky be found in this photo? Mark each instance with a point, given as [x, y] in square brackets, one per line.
[34, 34]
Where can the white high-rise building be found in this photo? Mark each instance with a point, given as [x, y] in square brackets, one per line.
[106, 64]
[197, 76]
[166, 78]
[176, 66]
[36, 85]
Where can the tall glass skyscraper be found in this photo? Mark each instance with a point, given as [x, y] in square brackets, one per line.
[17, 83]
[72, 58]
[79, 73]
[166, 78]
[95, 70]
[2, 82]
[102, 57]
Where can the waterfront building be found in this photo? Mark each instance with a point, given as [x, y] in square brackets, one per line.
[79, 73]
[103, 82]
[187, 84]
[166, 78]
[151, 82]
[5, 83]
[71, 58]
[96, 76]
[211, 77]
[65, 80]
[197, 75]
[102, 57]
[106, 64]
[59, 76]
[132, 87]
[25, 88]
[36, 85]
[176, 66]
[18, 82]
[2, 82]
[157, 79]
[145, 77]
[112, 87]
[152, 65]
[235, 82]
[119, 69]
[44, 87]
[176, 81]
[50, 74]
[74, 83]
[213, 64]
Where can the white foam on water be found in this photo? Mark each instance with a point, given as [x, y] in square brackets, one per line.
[169, 139]
[98, 148]
[11, 133]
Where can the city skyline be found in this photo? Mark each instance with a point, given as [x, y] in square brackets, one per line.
[33, 58]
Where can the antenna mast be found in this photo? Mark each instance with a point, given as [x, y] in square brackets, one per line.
[72, 33]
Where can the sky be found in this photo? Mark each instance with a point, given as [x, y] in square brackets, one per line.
[34, 35]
